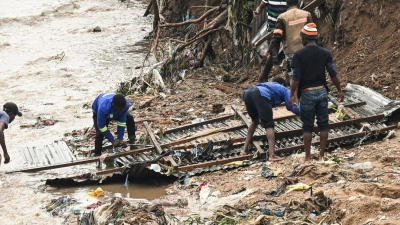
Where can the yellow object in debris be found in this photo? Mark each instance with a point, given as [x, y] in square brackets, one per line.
[97, 192]
[297, 187]
[237, 163]
[340, 114]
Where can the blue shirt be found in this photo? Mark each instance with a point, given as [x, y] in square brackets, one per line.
[4, 118]
[277, 94]
[102, 107]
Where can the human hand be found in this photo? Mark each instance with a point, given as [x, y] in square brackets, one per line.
[291, 101]
[340, 96]
[256, 12]
[123, 143]
[115, 143]
[265, 57]
[6, 158]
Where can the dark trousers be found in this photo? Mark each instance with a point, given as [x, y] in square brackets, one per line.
[271, 60]
[98, 144]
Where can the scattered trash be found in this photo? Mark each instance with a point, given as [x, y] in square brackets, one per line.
[349, 156]
[155, 167]
[297, 187]
[197, 120]
[312, 215]
[204, 193]
[389, 135]
[97, 29]
[240, 190]
[268, 212]
[97, 192]
[340, 113]
[269, 173]
[40, 123]
[58, 206]
[93, 206]
[365, 166]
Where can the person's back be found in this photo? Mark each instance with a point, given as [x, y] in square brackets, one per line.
[275, 8]
[313, 60]
[294, 20]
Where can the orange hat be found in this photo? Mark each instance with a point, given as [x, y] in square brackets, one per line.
[309, 31]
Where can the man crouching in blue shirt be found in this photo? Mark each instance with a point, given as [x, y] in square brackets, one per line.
[107, 107]
[259, 100]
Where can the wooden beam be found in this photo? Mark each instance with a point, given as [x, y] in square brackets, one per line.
[215, 162]
[244, 157]
[256, 143]
[185, 127]
[157, 146]
[297, 147]
[227, 89]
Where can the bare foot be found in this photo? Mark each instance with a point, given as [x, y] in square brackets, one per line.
[275, 158]
[245, 153]
[308, 161]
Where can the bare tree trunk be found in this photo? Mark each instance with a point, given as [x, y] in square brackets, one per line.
[156, 32]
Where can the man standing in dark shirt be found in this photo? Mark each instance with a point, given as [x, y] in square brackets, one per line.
[10, 110]
[309, 64]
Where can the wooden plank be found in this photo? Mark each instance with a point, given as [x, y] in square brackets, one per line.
[157, 146]
[256, 143]
[312, 5]
[215, 162]
[227, 89]
[185, 127]
[244, 157]
[297, 147]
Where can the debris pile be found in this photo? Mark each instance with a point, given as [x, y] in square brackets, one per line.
[121, 211]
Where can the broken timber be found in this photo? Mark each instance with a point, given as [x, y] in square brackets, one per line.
[183, 139]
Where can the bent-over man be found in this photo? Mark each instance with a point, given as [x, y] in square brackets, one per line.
[107, 107]
[259, 100]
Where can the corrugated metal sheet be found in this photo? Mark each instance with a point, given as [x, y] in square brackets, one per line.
[376, 102]
[258, 21]
[55, 153]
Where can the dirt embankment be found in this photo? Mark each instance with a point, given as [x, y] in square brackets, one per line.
[365, 44]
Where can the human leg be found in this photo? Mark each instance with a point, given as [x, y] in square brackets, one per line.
[266, 117]
[249, 98]
[98, 143]
[131, 128]
[307, 117]
[267, 68]
[322, 120]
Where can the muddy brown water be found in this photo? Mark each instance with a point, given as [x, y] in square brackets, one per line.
[33, 36]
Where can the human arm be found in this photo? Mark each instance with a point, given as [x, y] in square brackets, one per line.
[336, 82]
[102, 124]
[122, 124]
[309, 18]
[297, 73]
[277, 36]
[334, 77]
[260, 7]
[290, 104]
[3, 143]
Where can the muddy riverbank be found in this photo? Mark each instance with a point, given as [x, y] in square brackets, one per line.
[52, 64]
